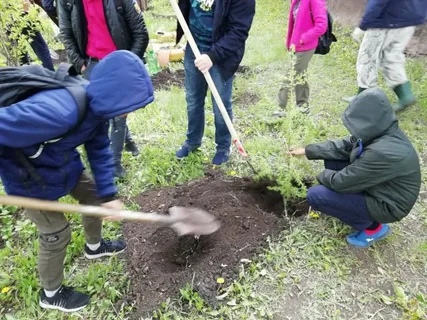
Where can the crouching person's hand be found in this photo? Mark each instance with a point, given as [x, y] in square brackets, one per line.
[297, 152]
[113, 205]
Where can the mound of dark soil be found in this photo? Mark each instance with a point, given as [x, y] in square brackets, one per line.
[160, 263]
[167, 78]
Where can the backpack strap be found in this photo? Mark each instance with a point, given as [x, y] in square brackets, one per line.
[77, 91]
[79, 94]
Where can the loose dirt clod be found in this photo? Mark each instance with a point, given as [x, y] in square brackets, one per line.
[248, 213]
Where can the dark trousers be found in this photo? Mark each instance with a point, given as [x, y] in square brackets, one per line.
[350, 208]
[41, 49]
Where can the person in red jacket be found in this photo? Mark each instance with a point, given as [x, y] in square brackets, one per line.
[308, 20]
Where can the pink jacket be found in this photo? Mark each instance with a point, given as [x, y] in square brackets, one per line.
[310, 24]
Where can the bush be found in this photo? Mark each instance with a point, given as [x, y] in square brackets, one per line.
[13, 42]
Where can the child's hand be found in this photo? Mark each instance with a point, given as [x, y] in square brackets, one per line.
[113, 205]
[297, 152]
[357, 35]
[203, 63]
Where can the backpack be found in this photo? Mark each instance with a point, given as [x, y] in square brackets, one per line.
[326, 40]
[19, 83]
[68, 5]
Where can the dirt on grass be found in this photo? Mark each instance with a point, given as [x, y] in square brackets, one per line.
[167, 78]
[160, 263]
[246, 98]
[418, 44]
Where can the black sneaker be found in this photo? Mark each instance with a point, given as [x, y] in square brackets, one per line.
[107, 248]
[66, 300]
[132, 148]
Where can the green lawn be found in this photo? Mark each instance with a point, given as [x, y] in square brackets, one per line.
[308, 272]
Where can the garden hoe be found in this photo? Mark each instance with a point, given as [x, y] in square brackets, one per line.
[211, 84]
[182, 220]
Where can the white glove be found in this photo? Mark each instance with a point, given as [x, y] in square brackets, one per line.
[357, 35]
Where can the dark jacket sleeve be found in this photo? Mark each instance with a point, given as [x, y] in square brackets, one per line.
[136, 23]
[360, 175]
[67, 37]
[373, 10]
[101, 162]
[329, 150]
[239, 21]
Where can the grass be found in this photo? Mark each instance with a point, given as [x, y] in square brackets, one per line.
[308, 272]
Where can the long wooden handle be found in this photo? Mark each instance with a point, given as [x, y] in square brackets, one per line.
[96, 211]
[209, 80]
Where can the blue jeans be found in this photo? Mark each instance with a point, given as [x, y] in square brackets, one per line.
[119, 135]
[196, 89]
[350, 208]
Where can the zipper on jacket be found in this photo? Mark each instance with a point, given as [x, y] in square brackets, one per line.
[360, 148]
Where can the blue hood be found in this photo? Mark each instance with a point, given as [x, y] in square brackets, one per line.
[119, 84]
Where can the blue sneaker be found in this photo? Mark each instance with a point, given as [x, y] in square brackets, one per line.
[183, 152]
[220, 158]
[363, 240]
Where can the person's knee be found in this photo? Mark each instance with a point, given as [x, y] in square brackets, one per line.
[55, 241]
[315, 195]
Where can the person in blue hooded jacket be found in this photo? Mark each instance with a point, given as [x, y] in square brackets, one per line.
[119, 85]
[387, 26]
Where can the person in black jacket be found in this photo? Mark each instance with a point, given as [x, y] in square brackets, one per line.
[89, 36]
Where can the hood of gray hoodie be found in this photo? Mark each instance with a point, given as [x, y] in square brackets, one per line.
[369, 115]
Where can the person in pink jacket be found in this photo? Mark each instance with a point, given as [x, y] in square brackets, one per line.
[308, 20]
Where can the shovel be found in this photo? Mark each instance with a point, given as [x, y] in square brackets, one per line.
[182, 220]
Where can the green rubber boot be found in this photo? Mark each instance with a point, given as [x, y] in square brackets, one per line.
[405, 95]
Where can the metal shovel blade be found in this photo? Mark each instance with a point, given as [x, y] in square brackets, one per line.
[193, 221]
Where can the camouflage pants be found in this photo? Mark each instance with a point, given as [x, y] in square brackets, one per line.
[383, 49]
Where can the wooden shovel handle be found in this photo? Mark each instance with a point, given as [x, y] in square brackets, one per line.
[101, 212]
